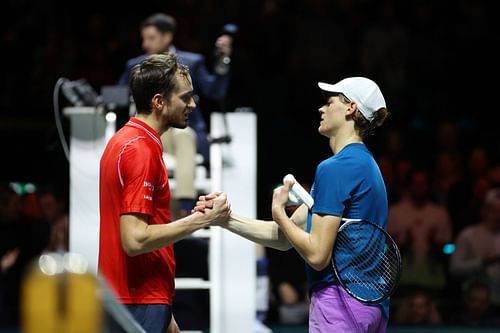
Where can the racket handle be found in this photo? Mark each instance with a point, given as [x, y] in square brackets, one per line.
[298, 194]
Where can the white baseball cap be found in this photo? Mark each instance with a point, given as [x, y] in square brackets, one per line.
[361, 90]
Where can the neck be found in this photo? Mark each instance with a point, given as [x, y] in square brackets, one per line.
[150, 120]
[339, 141]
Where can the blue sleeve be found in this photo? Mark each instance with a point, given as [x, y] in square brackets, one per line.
[123, 80]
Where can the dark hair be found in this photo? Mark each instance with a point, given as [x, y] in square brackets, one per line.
[162, 22]
[366, 127]
[155, 75]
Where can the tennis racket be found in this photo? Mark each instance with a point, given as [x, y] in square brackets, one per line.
[366, 261]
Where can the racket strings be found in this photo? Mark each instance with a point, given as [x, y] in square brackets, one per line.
[366, 261]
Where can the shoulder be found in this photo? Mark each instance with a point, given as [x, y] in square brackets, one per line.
[352, 160]
[189, 57]
[139, 148]
[137, 60]
[469, 233]
[332, 162]
[355, 154]
[130, 143]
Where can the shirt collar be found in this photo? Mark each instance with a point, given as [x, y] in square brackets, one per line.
[137, 123]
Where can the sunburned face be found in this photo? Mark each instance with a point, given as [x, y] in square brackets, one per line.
[177, 109]
[332, 116]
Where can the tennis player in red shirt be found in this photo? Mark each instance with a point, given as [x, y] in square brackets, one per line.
[136, 230]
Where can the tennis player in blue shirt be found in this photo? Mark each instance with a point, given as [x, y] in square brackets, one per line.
[347, 185]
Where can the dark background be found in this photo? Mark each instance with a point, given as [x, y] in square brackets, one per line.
[434, 60]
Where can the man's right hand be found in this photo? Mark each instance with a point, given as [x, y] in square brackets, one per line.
[215, 206]
[205, 201]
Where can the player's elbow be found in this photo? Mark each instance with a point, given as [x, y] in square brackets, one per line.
[318, 263]
[282, 244]
[281, 247]
[132, 248]
[134, 238]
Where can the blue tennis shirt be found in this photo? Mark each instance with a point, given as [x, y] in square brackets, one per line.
[349, 185]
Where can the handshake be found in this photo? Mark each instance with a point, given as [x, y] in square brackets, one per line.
[217, 204]
[214, 207]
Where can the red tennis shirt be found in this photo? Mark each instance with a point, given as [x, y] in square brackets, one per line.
[133, 179]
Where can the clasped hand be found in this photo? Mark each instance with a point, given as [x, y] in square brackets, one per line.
[212, 201]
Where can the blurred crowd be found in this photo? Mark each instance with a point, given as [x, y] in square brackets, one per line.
[423, 53]
[33, 220]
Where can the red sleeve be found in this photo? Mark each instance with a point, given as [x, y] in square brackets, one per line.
[140, 170]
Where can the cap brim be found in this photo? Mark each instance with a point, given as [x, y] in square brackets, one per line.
[329, 87]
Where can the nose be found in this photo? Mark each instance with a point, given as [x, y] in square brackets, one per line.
[192, 103]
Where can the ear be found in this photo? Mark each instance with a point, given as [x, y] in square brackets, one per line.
[167, 37]
[157, 102]
[351, 109]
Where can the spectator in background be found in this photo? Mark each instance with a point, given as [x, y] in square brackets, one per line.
[294, 306]
[289, 286]
[477, 248]
[446, 173]
[466, 196]
[418, 309]
[23, 237]
[476, 307]
[395, 164]
[157, 32]
[494, 175]
[54, 205]
[289, 282]
[420, 228]
[448, 160]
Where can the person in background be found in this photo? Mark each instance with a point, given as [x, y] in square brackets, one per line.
[418, 309]
[54, 206]
[477, 248]
[420, 227]
[24, 235]
[157, 33]
[476, 307]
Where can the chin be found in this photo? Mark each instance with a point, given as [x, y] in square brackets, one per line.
[181, 125]
[323, 133]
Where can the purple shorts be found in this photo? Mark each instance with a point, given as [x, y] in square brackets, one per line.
[333, 310]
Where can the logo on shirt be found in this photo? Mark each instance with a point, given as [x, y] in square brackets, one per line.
[149, 186]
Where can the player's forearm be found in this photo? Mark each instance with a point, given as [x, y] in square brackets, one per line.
[265, 233]
[301, 240]
[146, 238]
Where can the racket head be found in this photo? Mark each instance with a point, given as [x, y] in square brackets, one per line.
[366, 261]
